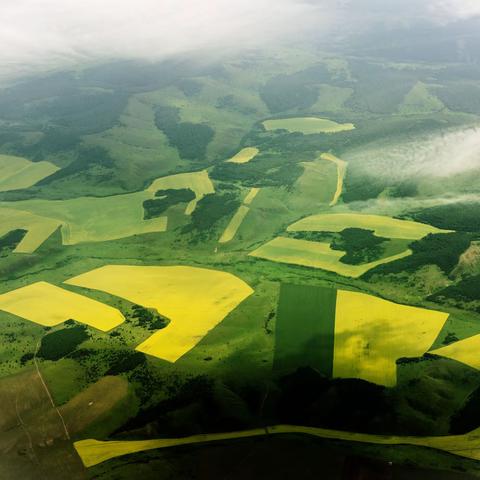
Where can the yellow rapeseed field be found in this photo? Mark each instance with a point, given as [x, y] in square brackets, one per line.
[316, 255]
[250, 196]
[93, 452]
[38, 228]
[244, 155]
[234, 224]
[341, 172]
[371, 334]
[307, 125]
[198, 182]
[49, 305]
[18, 172]
[465, 351]
[194, 299]
[383, 226]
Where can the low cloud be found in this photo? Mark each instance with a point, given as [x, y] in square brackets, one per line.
[50, 33]
[45, 34]
[455, 9]
[440, 155]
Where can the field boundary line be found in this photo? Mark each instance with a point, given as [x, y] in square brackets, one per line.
[67, 434]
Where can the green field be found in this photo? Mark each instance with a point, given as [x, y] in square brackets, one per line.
[305, 328]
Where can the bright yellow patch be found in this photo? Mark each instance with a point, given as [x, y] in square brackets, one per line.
[49, 305]
[371, 334]
[198, 182]
[244, 155]
[250, 196]
[307, 125]
[234, 224]
[194, 299]
[93, 452]
[464, 351]
[382, 226]
[316, 255]
[341, 172]
[38, 228]
[18, 172]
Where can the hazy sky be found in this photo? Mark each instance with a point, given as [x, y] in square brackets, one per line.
[39, 34]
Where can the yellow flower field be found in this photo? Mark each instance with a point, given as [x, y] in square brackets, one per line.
[341, 172]
[92, 452]
[465, 351]
[38, 228]
[49, 305]
[307, 125]
[194, 299]
[244, 155]
[371, 334]
[18, 172]
[198, 182]
[91, 219]
[383, 226]
[316, 255]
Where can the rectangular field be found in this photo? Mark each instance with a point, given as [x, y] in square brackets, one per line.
[305, 328]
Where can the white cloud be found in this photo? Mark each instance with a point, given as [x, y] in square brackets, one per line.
[455, 9]
[44, 33]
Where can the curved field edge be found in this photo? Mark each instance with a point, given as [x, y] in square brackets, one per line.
[341, 172]
[195, 300]
[316, 255]
[92, 452]
[87, 219]
[382, 226]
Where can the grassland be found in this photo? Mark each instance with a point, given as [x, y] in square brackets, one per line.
[93, 452]
[49, 305]
[316, 255]
[88, 219]
[18, 172]
[38, 227]
[304, 328]
[244, 155]
[419, 100]
[382, 226]
[372, 333]
[307, 125]
[141, 151]
[194, 299]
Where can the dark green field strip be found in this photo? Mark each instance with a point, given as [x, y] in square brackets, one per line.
[305, 326]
